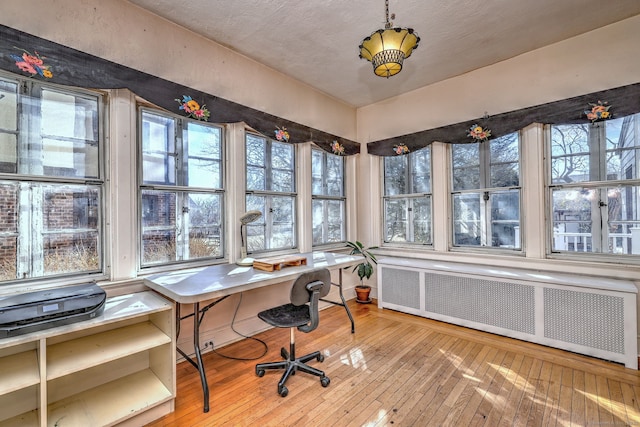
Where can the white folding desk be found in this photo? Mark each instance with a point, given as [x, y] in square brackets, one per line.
[218, 282]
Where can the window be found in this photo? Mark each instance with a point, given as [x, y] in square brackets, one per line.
[595, 187]
[181, 195]
[271, 190]
[486, 193]
[407, 198]
[51, 180]
[328, 199]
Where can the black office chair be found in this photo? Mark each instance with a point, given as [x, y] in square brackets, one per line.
[302, 313]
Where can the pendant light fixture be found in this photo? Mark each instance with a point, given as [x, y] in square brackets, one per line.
[387, 48]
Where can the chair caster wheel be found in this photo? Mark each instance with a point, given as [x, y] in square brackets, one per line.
[320, 358]
[283, 391]
[325, 381]
[260, 372]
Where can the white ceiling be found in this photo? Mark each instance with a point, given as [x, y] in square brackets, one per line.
[316, 41]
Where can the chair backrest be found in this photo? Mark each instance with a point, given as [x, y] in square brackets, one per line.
[309, 287]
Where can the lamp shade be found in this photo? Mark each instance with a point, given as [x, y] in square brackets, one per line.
[387, 49]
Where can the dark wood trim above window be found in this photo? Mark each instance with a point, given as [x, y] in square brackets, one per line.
[72, 67]
[623, 101]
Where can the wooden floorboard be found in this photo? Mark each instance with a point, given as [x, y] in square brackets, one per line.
[403, 370]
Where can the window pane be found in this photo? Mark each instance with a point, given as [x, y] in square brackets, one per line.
[282, 181]
[158, 149]
[283, 221]
[158, 226]
[467, 221]
[204, 163]
[623, 143]
[466, 166]
[71, 240]
[421, 171]
[282, 174]
[69, 135]
[505, 163]
[205, 226]
[575, 228]
[328, 221]
[281, 156]
[505, 219]
[336, 221]
[256, 231]
[572, 219]
[396, 211]
[256, 179]
[256, 163]
[8, 153]
[395, 175]
[570, 153]
[317, 173]
[8, 126]
[422, 220]
[9, 110]
[335, 174]
[8, 230]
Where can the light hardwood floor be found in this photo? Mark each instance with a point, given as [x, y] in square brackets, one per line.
[403, 370]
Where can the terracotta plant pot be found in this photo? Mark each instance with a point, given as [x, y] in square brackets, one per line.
[362, 294]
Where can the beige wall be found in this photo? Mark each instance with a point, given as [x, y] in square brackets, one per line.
[601, 59]
[123, 33]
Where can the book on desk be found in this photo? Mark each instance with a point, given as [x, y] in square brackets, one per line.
[277, 263]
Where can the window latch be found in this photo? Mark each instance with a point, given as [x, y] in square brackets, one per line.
[602, 204]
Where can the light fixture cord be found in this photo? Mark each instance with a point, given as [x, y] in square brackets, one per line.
[387, 24]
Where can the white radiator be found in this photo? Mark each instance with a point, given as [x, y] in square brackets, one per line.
[583, 314]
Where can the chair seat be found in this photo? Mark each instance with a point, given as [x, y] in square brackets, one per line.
[286, 316]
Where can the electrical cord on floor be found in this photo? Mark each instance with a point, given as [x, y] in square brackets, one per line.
[264, 344]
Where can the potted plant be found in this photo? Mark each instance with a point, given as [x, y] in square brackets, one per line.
[364, 269]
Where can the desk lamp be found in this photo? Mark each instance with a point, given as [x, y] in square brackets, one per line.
[245, 219]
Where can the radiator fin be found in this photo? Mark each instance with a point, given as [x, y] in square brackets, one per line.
[588, 319]
[403, 287]
[504, 305]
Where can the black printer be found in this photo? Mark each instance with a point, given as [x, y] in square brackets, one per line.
[33, 311]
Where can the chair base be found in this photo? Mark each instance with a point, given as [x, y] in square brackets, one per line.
[290, 364]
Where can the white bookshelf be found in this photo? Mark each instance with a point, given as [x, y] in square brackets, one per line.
[118, 368]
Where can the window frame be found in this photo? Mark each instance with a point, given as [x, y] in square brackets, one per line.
[181, 190]
[410, 197]
[485, 190]
[29, 129]
[326, 198]
[266, 221]
[597, 183]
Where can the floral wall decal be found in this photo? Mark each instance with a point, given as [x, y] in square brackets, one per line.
[479, 133]
[599, 111]
[282, 134]
[337, 148]
[32, 64]
[193, 109]
[400, 149]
